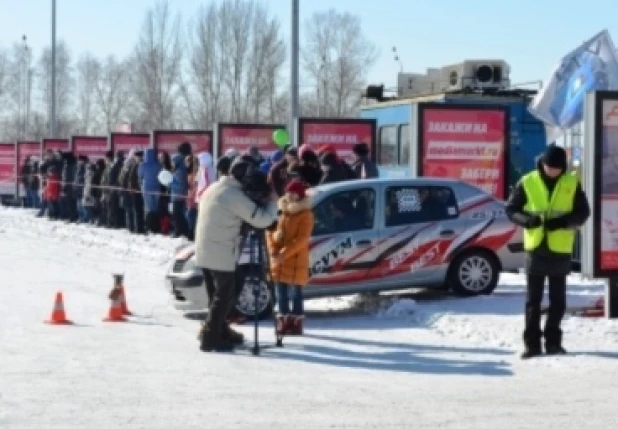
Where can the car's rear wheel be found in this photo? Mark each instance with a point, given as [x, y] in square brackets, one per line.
[246, 301]
[474, 273]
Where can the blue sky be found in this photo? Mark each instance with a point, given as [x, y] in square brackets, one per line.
[530, 35]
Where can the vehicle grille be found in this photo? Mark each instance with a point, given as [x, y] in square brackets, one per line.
[177, 267]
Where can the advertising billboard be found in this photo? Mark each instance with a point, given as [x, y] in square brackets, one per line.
[126, 142]
[168, 140]
[63, 145]
[8, 174]
[342, 134]
[243, 136]
[467, 143]
[94, 147]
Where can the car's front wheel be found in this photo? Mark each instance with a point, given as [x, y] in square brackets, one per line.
[246, 301]
[474, 273]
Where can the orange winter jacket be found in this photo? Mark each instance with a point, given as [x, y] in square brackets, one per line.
[290, 240]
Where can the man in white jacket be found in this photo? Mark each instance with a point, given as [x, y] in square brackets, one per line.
[223, 208]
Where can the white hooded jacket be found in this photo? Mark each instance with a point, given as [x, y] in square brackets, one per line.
[206, 174]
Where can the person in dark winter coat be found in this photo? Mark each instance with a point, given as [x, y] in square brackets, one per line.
[550, 205]
[115, 213]
[148, 176]
[68, 202]
[179, 190]
[363, 167]
[334, 169]
[97, 192]
[33, 186]
[164, 199]
[127, 195]
[278, 176]
[308, 168]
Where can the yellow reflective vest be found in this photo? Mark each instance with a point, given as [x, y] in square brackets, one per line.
[559, 203]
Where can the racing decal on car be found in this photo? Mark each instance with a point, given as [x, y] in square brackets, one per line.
[418, 249]
[323, 263]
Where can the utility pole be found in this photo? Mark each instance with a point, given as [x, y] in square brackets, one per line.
[294, 72]
[52, 113]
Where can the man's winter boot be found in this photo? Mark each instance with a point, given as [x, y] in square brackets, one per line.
[530, 352]
[233, 336]
[554, 349]
[295, 325]
[210, 344]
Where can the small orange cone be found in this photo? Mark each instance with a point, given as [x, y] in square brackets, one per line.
[58, 316]
[115, 312]
[123, 303]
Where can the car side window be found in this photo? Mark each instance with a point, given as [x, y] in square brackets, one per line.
[417, 204]
[345, 212]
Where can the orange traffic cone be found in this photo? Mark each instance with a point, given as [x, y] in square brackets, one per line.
[115, 312]
[58, 316]
[123, 303]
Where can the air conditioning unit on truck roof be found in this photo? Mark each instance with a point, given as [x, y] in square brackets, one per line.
[475, 75]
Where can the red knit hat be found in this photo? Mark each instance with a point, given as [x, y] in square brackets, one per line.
[297, 187]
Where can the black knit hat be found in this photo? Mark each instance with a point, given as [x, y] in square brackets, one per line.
[361, 149]
[555, 157]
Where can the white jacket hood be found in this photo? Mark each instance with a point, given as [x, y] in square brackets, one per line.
[206, 175]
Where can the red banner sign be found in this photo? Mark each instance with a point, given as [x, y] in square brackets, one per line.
[168, 141]
[342, 134]
[468, 144]
[27, 150]
[62, 145]
[7, 168]
[126, 142]
[243, 136]
[94, 147]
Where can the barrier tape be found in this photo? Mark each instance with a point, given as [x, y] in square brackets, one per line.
[110, 188]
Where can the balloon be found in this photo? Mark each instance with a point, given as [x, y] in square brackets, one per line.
[281, 137]
[165, 177]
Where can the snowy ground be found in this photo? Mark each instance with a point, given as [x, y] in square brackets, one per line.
[448, 363]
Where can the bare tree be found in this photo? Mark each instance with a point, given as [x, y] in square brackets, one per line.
[88, 69]
[158, 65]
[113, 92]
[64, 86]
[14, 91]
[208, 63]
[236, 60]
[336, 57]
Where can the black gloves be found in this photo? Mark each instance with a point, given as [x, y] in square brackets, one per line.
[534, 221]
[557, 223]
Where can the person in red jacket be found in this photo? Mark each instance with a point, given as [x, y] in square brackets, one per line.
[52, 191]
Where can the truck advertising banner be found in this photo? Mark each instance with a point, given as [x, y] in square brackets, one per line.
[467, 143]
[168, 140]
[63, 145]
[244, 136]
[8, 174]
[94, 147]
[342, 134]
[126, 142]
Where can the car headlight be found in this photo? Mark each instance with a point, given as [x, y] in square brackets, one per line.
[190, 265]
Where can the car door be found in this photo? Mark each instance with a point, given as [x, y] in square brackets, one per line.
[418, 226]
[344, 238]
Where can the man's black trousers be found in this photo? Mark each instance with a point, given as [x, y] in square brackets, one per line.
[557, 308]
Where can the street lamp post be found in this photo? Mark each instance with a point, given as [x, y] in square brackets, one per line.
[52, 113]
[26, 88]
[294, 71]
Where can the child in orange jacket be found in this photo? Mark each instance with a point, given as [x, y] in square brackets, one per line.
[288, 246]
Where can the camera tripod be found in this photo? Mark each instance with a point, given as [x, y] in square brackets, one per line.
[259, 271]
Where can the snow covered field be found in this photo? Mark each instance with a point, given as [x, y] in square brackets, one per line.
[447, 363]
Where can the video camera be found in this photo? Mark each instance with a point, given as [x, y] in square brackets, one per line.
[253, 181]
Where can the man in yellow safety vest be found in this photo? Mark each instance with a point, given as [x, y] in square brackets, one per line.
[550, 205]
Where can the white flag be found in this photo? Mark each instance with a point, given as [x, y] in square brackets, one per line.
[591, 67]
